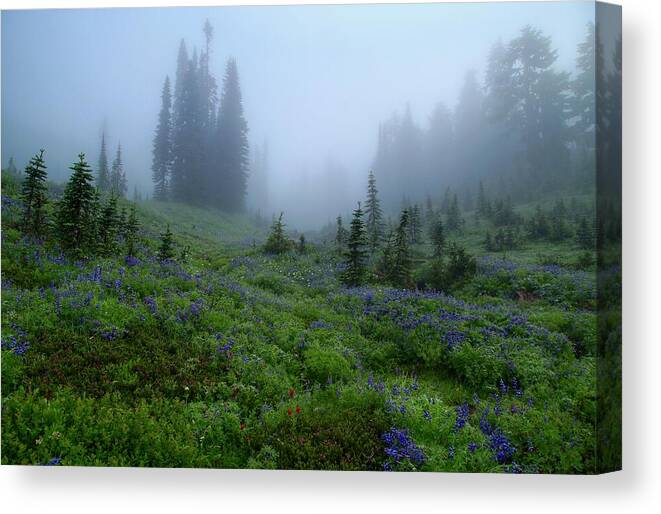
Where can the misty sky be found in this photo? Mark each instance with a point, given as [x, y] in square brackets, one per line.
[316, 80]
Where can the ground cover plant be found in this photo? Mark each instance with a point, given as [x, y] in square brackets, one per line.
[240, 357]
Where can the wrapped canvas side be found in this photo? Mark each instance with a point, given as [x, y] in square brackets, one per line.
[608, 145]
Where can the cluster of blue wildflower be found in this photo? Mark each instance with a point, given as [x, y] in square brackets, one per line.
[400, 448]
[16, 343]
[319, 324]
[463, 412]
[500, 445]
[192, 313]
[454, 338]
[227, 344]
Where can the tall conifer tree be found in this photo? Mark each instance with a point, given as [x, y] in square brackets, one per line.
[34, 194]
[454, 215]
[340, 235]
[483, 204]
[437, 234]
[399, 270]
[166, 249]
[355, 271]
[131, 232]
[76, 217]
[374, 214]
[162, 147]
[108, 226]
[277, 241]
[118, 181]
[181, 155]
[11, 167]
[103, 173]
[233, 145]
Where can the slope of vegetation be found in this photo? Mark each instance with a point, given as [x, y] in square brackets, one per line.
[226, 356]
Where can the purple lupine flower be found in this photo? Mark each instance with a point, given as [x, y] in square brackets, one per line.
[400, 447]
[462, 416]
[454, 338]
[319, 324]
[501, 447]
[485, 426]
[151, 304]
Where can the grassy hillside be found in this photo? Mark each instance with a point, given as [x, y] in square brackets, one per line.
[232, 358]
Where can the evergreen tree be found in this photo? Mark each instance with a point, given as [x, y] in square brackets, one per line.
[532, 98]
[454, 215]
[584, 103]
[472, 158]
[11, 167]
[76, 216]
[103, 173]
[439, 150]
[184, 254]
[206, 119]
[430, 215]
[340, 236]
[483, 204]
[356, 255]
[95, 222]
[460, 265]
[162, 146]
[108, 226]
[467, 201]
[118, 182]
[511, 238]
[121, 222]
[503, 213]
[186, 182]
[258, 191]
[437, 234]
[34, 194]
[488, 242]
[539, 226]
[277, 241]
[386, 265]
[374, 214]
[585, 235]
[559, 229]
[180, 126]
[399, 273]
[232, 138]
[415, 228]
[447, 201]
[302, 249]
[131, 231]
[166, 249]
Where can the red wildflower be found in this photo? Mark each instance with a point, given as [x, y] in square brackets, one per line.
[289, 411]
[291, 392]
[298, 410]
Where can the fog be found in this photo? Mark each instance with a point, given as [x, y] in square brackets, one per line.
[316, 82]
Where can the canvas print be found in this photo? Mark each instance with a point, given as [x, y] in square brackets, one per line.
[325, 237]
